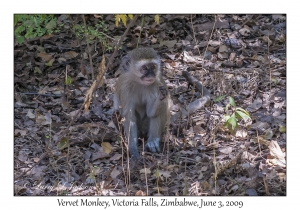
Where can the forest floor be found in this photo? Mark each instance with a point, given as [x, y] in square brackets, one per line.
[241, 59]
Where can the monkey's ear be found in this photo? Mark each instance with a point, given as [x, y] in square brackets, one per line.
[125, 63]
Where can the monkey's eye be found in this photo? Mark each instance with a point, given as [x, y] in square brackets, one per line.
[148, 67]
[144, 70]
[154, 66]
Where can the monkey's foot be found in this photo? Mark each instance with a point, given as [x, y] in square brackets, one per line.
[153, 145]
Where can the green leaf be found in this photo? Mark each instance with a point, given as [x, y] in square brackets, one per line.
[226, 117]
[49, 63]
[227, 106]
[69, 80]
[243, 110]
[268, 134]
[63, 143]
[51, 24]
[242, 115]
[232, 121]
[37, 70]
[16, 19]
[282, 129]
[19, 29]
[156, 19]
[20, 39]
[231, 101]
[219, 98]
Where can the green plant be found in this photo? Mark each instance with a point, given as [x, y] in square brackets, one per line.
[233, 114]
[97, 31]
[68, 80]
[31, 26]
[93, 32]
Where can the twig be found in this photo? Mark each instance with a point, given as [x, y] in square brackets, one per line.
[89, 49]
[195, 40]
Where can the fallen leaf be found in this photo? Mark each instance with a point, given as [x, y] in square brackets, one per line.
[37, 70]
[166, 174]
[115, 172]
[70, 55]
[140, 193]
[106, 147]
[49, 63]
[45, 57]
[22, 156]
[282, 129]
[257, 103]
[21, 132]
[99, 154]
[226, 150]
[276, 152]
[245, 31]
[169, 44]
[116, 157]
[145, 170]
[63, 143]
[30, 114]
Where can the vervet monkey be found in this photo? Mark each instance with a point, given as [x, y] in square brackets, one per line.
[143, 99]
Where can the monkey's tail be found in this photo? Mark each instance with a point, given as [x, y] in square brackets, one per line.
[198, 103]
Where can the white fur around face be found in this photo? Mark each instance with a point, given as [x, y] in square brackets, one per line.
[143, 62]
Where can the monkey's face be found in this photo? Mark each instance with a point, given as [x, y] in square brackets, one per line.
[147, 72]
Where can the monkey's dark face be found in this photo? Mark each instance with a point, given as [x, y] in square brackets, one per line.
[148, 71]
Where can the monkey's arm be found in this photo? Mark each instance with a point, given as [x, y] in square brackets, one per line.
[155, 107]
[199, 103]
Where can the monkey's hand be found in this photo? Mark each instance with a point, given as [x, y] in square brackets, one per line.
[163, 92]
[153, 145]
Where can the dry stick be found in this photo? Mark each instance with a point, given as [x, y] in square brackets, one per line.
[207, 45]
[89, 49]
[196, 42]
[269, 63]
[266, 186]
[127, 150]
[260, 153]
[139, 39]
[145, 170]
[244, 23]
[122, 149]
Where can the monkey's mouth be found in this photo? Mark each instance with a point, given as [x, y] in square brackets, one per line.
[148, 81]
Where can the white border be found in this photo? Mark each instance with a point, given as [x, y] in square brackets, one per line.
[8, 8]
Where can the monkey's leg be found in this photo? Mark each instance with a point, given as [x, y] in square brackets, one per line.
[154, 135]
[131, 131]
